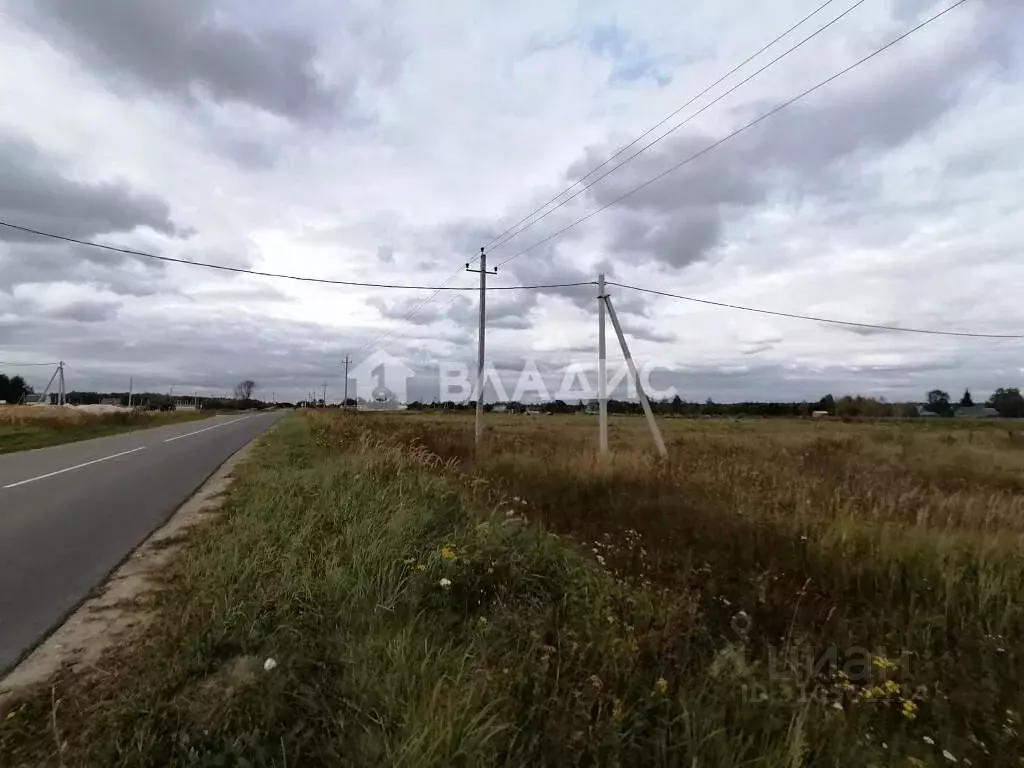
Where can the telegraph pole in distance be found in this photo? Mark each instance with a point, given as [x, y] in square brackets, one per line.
[344, 403]
[480, 343]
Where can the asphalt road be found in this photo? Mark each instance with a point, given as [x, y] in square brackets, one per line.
[70, 514]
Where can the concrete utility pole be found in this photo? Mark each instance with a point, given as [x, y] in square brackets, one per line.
[602, 371]
[480, 343]
[131, 389]
[325, 395]
[344, 403]
[655, 432]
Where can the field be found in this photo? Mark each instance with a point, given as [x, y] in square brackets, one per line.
[777, 593]
[23, 427]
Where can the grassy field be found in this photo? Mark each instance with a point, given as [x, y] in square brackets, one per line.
[778, 593]
[25, 427]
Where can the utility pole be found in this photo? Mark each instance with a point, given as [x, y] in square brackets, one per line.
[324, 401]
[344, 403]
[602, 371]
[62, 388]
[131, 389]
[655, 432]
[480, 343]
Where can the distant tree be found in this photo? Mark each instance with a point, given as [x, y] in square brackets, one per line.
[1009, 402]
[13, 389]
[827, 403]
[244, 390]
[966, 401]
[938, 402]
[677, 404]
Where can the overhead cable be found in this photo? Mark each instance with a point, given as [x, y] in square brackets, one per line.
[241, 270]
[874, 326]
[504, 239]
[747, 126]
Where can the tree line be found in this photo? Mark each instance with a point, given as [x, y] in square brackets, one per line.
[1008, 402]
[13, 389]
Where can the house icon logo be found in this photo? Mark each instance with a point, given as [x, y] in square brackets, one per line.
[382, 381]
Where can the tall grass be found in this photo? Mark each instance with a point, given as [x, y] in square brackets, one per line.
[776, 594]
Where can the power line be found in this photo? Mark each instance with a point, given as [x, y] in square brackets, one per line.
[874, 326]
[131, 252]
[509, 234]
[735, 133]
[28, 365]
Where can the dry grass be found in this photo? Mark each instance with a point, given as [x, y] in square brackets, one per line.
[45, 414]
[23, 427]
[777, 593]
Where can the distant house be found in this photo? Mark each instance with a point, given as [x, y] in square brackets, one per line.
[975, 412]
[499, 408]
[922, 411]
[819, 414]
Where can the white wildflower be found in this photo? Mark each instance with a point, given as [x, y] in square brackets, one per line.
[929, 741]
[269, 664]
[445, 583]
[948, 755]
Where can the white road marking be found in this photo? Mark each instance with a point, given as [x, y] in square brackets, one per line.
[207, 429]
[70, 469]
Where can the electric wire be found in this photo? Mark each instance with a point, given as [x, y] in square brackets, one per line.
[241, 270]
[664, 120]
[874, 326]
[756, 121]
[683, 122]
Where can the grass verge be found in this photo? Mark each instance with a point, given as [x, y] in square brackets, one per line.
[543, 608]
[23, 429]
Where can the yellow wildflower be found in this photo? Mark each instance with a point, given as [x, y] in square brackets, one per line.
[891, 687]
[447, 553]
[909, 709]
[661, 686]
[881, 662]
[421, 567]
[874, 692]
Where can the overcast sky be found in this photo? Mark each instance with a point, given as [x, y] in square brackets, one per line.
[387, 141]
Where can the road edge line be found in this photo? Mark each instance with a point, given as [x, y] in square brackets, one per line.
[100, 616]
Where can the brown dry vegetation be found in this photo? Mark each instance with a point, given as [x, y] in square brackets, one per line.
[23, 427]
[777, 593]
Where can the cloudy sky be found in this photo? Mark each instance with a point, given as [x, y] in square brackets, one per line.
[387, 141]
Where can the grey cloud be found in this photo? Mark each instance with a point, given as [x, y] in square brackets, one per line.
[189, 47]
[35, 193]
[46, 262]
[86, 311]
[802, 150]
[504, 309]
